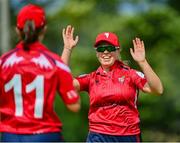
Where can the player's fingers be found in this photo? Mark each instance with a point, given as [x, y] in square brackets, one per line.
[138, 42]
[142, 45]
[72, 31]
[68, 29]
[134, 44]
[131, 51]
[63, 32]
[76, 39]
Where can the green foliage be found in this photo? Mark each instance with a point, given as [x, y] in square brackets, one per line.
[75, 125]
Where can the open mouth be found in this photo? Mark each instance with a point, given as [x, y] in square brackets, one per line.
[106, 57]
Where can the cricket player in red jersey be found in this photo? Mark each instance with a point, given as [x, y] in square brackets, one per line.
[113, 88]
[30, 75]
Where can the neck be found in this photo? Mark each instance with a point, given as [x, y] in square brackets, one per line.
[107, 69]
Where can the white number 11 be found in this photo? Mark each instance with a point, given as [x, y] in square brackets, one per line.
[37, 84]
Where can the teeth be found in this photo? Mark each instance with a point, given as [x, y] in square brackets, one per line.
[106, 57]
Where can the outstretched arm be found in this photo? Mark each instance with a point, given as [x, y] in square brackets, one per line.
[69, 43]
[153, 84]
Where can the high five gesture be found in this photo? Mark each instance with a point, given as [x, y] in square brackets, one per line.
[153, 84]
[69, 43]
[138, 53]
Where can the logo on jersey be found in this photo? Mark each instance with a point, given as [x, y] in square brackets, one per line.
[11, 60]
[42, 61]
[121, 79]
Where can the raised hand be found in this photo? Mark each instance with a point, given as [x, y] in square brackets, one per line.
[68, 37]
[138, 53]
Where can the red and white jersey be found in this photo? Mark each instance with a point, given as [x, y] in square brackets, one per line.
[113, 99]
[28, 84]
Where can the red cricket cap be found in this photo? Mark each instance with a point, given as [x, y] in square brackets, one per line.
[109, 37]
[31, 12]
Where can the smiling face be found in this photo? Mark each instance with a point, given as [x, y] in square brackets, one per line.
[107, 58]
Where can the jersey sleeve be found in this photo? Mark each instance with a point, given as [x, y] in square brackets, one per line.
[0, 75]
[84, 82]
[138, 78]
[65, 86]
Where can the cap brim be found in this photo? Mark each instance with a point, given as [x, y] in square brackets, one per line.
[98, 42]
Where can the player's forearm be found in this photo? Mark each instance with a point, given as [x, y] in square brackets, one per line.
[66, 55]
[152, 78]
[75, 107]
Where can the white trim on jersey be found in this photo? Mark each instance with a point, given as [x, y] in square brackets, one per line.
[82, 75]
[42, 61]
[62, 66]
[11, 60]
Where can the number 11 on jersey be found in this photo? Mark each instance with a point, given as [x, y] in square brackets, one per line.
[37, 84]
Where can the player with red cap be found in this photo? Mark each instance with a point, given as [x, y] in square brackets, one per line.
[30, 75]
[113, 88]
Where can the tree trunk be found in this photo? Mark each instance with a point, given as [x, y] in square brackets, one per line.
[5, 26]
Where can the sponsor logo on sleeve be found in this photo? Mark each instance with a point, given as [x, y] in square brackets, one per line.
[140, 74]
[71, 94]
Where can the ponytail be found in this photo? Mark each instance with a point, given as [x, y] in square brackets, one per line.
[29, 33]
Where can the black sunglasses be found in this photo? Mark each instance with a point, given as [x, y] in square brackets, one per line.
[103, 48]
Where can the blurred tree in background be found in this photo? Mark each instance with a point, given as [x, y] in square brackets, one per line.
[157, 22]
